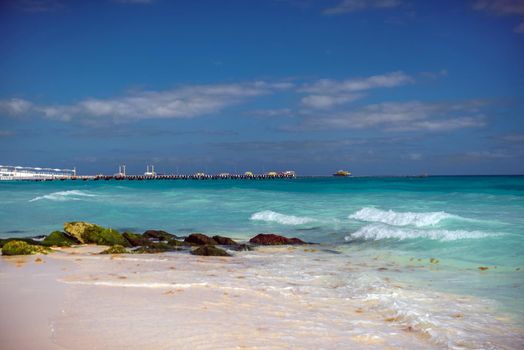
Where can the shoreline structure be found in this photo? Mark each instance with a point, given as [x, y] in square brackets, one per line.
[11, 173]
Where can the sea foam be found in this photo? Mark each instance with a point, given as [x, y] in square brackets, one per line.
[272, 216]
[394, 218]
[378, 231]
[62, 196]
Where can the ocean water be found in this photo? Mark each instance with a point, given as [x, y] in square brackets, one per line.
[406, 250]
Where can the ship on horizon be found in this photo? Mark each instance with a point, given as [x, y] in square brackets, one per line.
[342, 173]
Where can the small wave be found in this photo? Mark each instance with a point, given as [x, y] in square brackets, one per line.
[62, 196]
[391, 217]
[272, 216]
[380, 231]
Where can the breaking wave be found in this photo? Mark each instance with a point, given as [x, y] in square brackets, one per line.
[391, 217]
[381, 231]
[272, 216]
[62, 196]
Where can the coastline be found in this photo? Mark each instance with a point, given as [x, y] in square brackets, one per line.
[270, 298]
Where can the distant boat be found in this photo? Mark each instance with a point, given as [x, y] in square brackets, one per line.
[342, 173]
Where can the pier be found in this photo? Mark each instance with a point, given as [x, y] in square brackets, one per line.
[48, 174]
[171, 177]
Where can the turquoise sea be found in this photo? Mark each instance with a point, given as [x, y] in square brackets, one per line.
[430, 235]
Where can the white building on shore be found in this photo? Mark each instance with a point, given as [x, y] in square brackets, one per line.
[10, 172]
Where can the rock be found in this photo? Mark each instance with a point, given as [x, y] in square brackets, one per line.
[22, 248]
[77, 229]
[272, 239]
[59, 239]
[104, 236]
[160, 248]
[242, 247]
[136, 240]
[209, 250]
[116, 249]
[200, 239]
[159, 235]
[27, 240]
[175, 243]
[224, 240]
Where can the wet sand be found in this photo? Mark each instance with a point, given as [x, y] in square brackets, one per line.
[274, 298]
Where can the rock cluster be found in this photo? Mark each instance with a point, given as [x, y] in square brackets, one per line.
[150, 242]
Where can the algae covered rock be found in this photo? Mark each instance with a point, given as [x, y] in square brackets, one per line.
[224, 240]
[199, 239]
[116, 249]
[272, 239]
[104, 236]
[209, 250]
[59, 239]
[27, 240]
[86, 232]
[78, 228]
[22, 248]
[159, 235]
[136, 240]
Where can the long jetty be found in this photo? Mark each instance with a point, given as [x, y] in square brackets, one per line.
[168, 177]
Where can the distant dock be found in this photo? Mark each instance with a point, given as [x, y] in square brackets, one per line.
[10, 173]
[166, 177]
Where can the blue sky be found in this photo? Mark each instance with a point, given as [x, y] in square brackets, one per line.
[374, 86]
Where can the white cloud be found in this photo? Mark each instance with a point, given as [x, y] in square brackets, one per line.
[327, 101]
[503, 8]
[519, 28]
[328, 86]
[272, 112]
[328, 93]
[15, 106]
[184, 102]
[347, 6]
[402, 116]
[500, 7]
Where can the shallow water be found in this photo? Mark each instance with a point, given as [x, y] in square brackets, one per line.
[406, 251]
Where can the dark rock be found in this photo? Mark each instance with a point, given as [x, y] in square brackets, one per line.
[242, 247]
[22, 248]
[272, 239]
[209, 250]
[200, 239]
[175, 243]
[154, 248]
[59, 239]
[116, 249]
[224, 240]
[136, 240]
[159, 235]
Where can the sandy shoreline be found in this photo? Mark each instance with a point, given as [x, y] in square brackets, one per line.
[73, 299]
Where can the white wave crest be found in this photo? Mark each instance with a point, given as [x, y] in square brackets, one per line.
[62, 196]
[391, 217]
[272, 216]
[381, 231]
